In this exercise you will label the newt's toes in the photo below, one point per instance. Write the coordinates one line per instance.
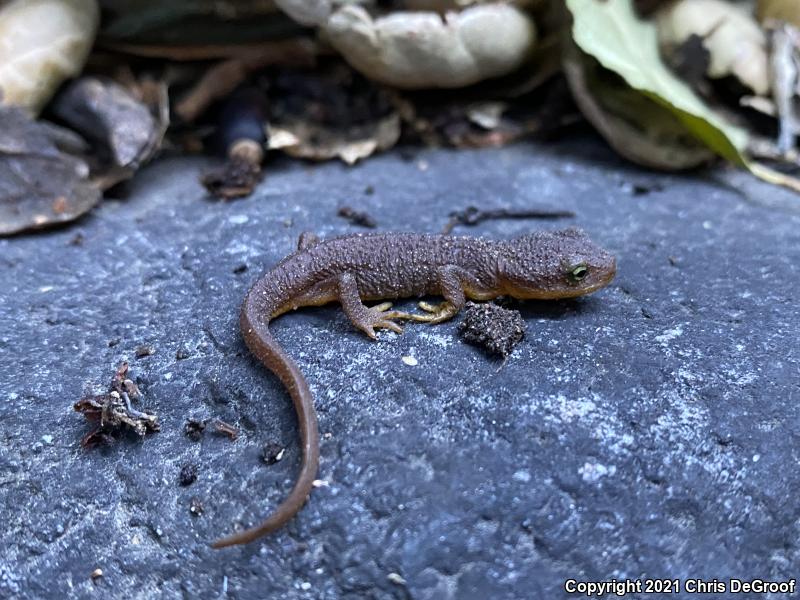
(390, 325)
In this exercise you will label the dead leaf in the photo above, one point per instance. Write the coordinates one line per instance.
(42, 43)
(126, 131)
(113, 412)
(333, 113)
(298, 52)
(610, 31)
(415, 50)
(636, 127)
(318, 142)
(774, 176)
(736, 44)
(40, 186)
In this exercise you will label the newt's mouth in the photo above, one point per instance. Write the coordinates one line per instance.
(563, 292)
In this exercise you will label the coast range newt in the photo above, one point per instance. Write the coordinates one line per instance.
(351, 269)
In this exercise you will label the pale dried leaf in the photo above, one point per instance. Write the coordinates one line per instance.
(416, 50)
(610, 31)
(636, 126)
(42, 43)
(303, 139)
(736, 44)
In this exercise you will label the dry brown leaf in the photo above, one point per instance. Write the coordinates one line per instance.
(40, 186)
(126, 130)
(298, 52)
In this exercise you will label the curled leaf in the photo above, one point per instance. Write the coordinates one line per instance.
(306, 140)
(636, 126)
(427, 50)
(610, 31)
(42, 43)
(735, 43)
(39, 184)
(126, 130)
(334, 114)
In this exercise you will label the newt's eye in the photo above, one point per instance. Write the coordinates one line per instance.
(578, 272)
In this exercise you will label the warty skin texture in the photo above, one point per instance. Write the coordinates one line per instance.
(351, 269)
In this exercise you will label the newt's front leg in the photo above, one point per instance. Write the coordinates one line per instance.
(366, 318)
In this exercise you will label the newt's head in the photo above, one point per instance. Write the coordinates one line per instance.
(554, 264)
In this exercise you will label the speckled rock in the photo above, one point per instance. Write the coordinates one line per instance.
(650, 430)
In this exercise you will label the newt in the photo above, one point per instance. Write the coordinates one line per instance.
(352, 269)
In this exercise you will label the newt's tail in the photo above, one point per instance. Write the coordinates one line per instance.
(268, 351)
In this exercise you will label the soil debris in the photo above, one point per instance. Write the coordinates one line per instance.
(494, 328)
(113, 413)
(188, 474)
(357, 217)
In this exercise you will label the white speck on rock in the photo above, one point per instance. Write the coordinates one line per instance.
(410, 361)
(238, 219)
(669, 335)
(47, 439)
(756, 457)
(592, 472)
(521, 476)
(305, 586)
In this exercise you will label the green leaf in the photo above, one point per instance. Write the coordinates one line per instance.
(610, 31)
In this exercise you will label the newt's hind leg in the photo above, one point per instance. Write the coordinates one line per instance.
(451, 286)
(366, 318)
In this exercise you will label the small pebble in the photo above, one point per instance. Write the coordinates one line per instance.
(188, 474)
(396, 578)
(142, 351)
(196, 507)
(193, 429)
(272, 453)
(410, 361)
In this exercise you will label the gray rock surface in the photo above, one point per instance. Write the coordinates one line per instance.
(648, 431)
